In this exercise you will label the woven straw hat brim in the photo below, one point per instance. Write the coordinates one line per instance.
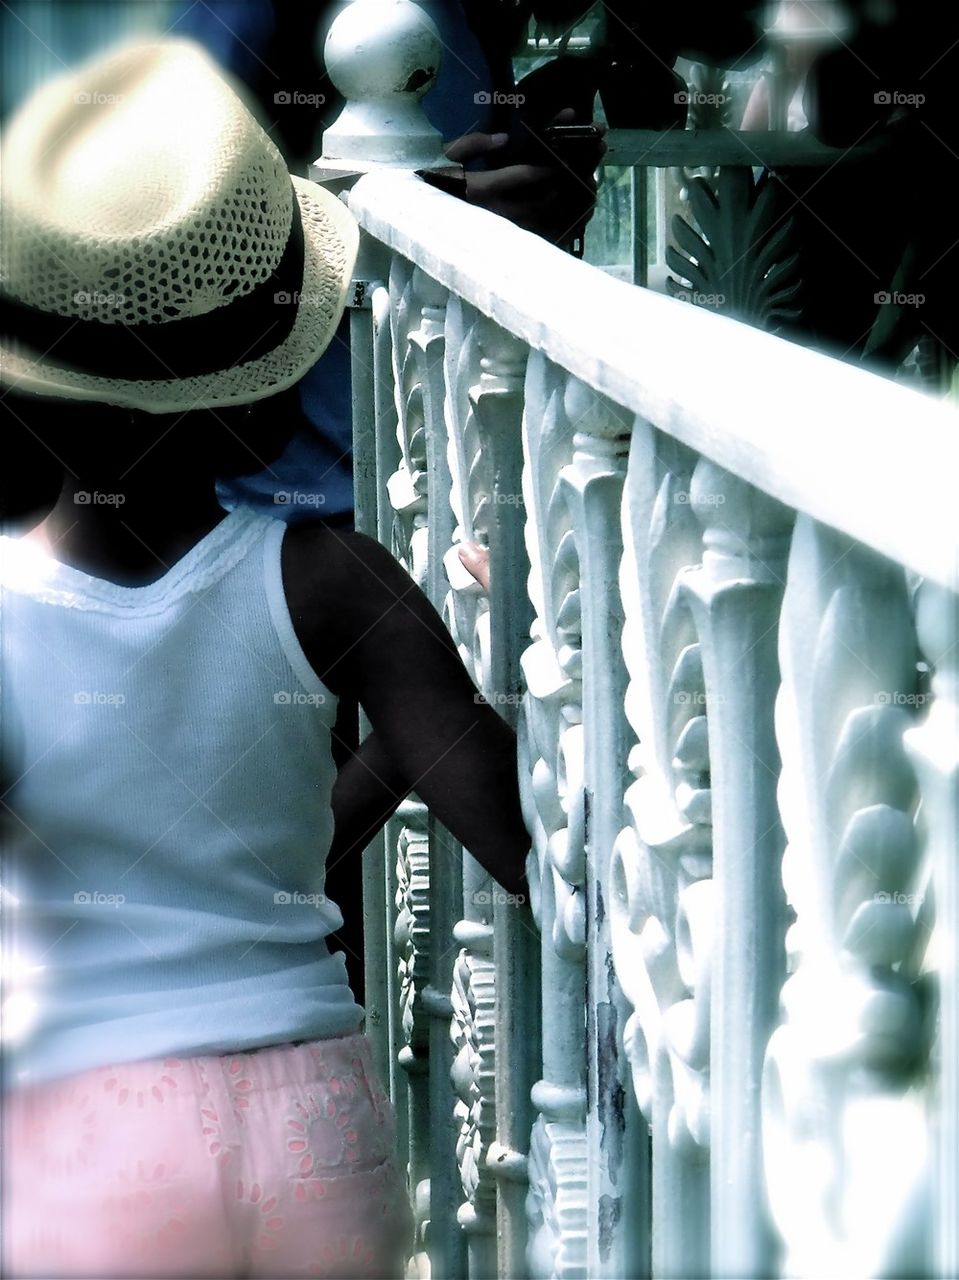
(330, 241)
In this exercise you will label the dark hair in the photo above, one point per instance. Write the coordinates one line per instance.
(41, 439)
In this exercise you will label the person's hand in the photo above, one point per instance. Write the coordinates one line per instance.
(475, 559)
(552, 197)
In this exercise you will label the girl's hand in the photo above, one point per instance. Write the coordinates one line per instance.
(475, 559)
(529, 182)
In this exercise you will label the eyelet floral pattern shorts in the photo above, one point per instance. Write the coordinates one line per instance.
(274, 1162)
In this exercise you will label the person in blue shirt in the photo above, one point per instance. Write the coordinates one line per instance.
(274, 47)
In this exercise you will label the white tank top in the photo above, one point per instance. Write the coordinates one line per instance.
(167, 768)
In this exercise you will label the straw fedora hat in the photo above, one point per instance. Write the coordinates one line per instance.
(155, 251)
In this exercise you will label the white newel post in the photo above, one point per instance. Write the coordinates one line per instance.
(383, 55)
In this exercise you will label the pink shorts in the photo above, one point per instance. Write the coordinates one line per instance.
(274, 1162)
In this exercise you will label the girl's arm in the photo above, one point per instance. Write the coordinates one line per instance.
(368, 631)
(368, 790)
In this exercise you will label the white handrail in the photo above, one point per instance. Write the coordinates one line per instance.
(860, 452)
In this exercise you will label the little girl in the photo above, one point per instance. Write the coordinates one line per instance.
(187, 1088)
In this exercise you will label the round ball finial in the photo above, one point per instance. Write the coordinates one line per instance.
(383, 56)
(379, 49)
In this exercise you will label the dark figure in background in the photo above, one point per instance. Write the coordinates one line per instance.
(894, 76)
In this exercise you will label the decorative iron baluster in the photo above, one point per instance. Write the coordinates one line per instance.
(407, 486)
(593, 486)
(491, 489)
(411, 936)
(421, 533)
(735, 596)
(474, 1081)
(484, 375)
(468, 616)
(933, 747)
(466, 610)
(661, 886)
(845, 1128)
(553, 784)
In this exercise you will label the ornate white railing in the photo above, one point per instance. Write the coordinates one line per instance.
(723, 617)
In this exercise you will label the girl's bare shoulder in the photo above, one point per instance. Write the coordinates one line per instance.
(338, 585)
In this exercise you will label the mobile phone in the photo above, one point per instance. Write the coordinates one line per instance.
(571, 135)
(568, 142)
